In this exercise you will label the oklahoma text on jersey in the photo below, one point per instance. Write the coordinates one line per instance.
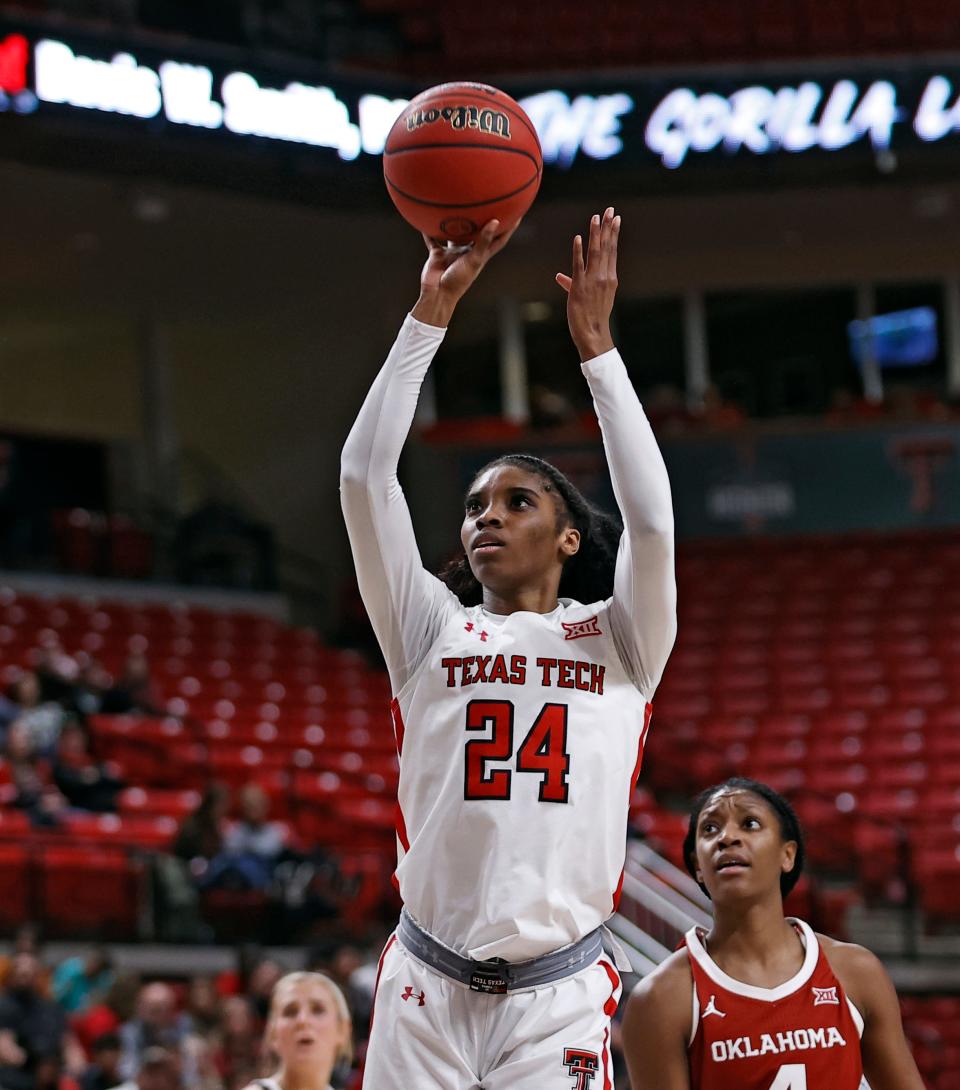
(791, 1040)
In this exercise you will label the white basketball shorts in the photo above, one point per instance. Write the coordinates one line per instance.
(432, 1033)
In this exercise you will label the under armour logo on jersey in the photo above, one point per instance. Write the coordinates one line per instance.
(825, 995)
(581, 1065)
(576, 630)
(409, 993)
(711, 1008)
(470, 626)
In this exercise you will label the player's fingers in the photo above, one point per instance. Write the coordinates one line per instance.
(504, 237)
(431, 243)
(606, 220)
(485, 242)
(577, 265)
(564, 281)
(488, 234)
(593, 246)
(612, 247)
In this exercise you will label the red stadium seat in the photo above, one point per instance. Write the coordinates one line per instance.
(15, 880)
(90, 891)
(938, 882)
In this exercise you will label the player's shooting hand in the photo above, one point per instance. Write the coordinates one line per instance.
(592, 287)
(449, 271)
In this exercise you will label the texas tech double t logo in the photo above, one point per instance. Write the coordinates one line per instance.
(582, 1066)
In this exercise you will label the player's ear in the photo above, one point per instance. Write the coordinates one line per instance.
(570, 541)
(789, 857)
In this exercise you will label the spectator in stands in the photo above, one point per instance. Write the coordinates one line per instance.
(9, 710)
(252, 846)
(158, 1023)
(50, 1074)
(107, 1015)
(309, 1031)
(89, 684)
(263, 979)
(133, 691)
(104, 1072)
(42, 719)
(81, 981)
(253, 834)
(159, 1070)
(56, 674)
(200, 837)
(204, 1006)
(353, 974)
(30, 775)
(198, 841)
(26, 940)
(237, 1053)
(85, 783)
(32, 1028)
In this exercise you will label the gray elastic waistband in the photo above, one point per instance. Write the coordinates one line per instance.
(497, 977)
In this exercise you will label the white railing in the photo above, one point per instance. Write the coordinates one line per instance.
(658, 905)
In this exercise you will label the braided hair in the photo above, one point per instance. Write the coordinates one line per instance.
(587, 575)
(786, 815)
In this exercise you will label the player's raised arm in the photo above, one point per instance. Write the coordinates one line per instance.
(644, 599)
(401, 598)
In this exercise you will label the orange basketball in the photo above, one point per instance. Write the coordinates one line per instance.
(459, 155)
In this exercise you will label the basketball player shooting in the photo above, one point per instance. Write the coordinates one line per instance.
(522, 678)
(761, 1002)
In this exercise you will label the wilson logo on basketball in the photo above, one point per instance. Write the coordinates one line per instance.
(483, 120)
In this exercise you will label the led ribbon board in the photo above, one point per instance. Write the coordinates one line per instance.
(659, 130)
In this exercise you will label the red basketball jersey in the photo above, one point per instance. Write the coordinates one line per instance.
(802, 1035)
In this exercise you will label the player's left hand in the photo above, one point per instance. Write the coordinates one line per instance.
(593, 286)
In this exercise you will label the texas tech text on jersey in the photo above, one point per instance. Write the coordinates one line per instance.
(492, 669)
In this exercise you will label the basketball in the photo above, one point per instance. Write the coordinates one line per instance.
(459, 155)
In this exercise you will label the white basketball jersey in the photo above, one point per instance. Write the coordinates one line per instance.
(520, 738)
(520, 735)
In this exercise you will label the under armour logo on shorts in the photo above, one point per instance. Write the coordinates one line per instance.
(581, 1065)
(825, 995)
(576, 630)
(409, 993)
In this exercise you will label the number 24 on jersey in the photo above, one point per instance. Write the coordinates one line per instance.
(542, 752)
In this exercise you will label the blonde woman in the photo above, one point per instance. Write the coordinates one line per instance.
(309, 1031)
